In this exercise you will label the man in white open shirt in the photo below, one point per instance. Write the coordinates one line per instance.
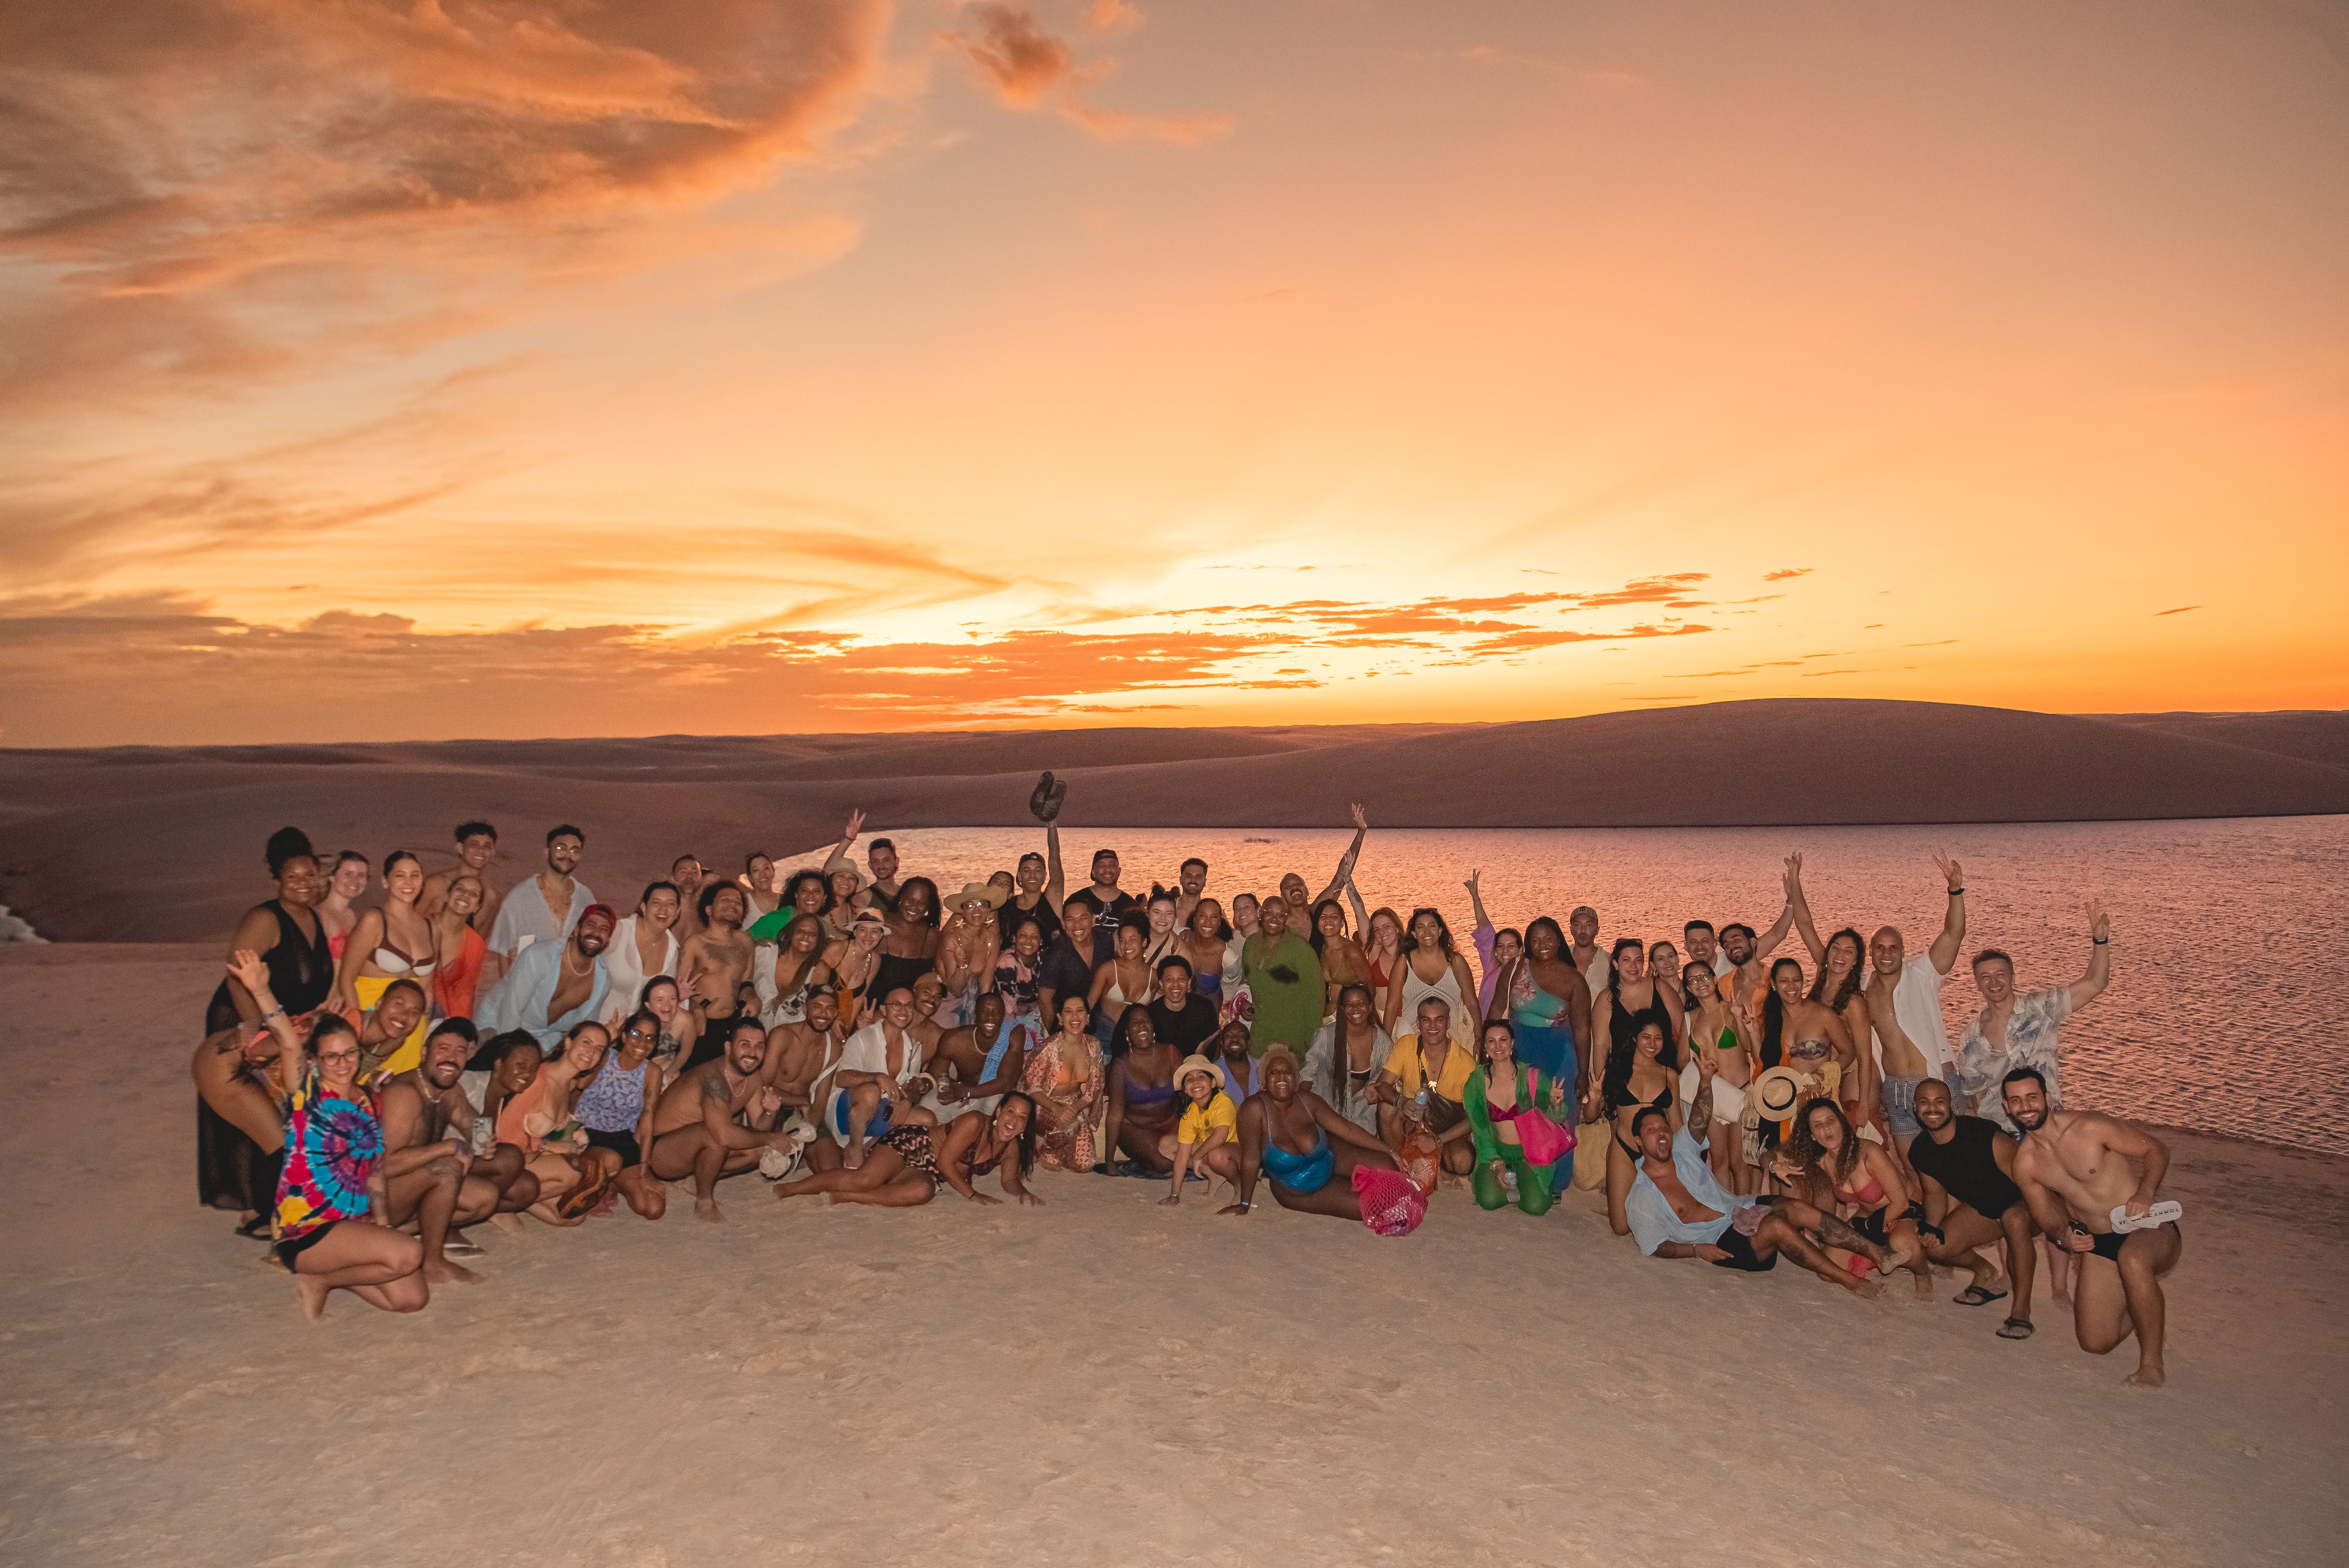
(1904, 1007)
(870, 1094)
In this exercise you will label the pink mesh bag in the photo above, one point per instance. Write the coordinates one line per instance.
(1392, 1205)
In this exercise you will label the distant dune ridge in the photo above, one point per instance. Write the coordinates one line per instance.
(163, 843)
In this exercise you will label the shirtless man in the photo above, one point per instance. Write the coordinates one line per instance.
(688, 874)
(716, 960)
(1904, 1006)
(1678, 1210)
(869, 1088)
(1966, 1166)
(1191, 886)
(718, 1119)
(430, 1177)
(2078, 1169)
(798, 1055)
(965, 1052)
(477, 846)
(1742, 952)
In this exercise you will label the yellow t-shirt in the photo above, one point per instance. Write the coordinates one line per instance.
(1403, 1062)
(1199, 1122)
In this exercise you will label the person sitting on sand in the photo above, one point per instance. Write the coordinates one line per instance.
(1146, 1104)
(542, 1123)
(664, 1000)
(717, 1118)
(330, 1229)
(616, 1108)
(712, 963)
(871, 1088)
(554, 986)
(2085, 1176)
(1640, 1075)
(1678, 1210)
(1346, 1055)
(1065, 1080)
(394, 942)
(1231, 1052)
(787, 973)
(1289, 1135)
(1019, 970)
(1836, 1171)
(907, 1163)
(1631, 999)
(976, 1065)
(1203, 1139)
(1966, 1166)
(1498, 1093)
(543, 908)
(503, 1066)
(431, 1180)
(1425, 1084)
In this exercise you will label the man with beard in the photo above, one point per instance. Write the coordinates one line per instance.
(1904, 1006)
(1110, 907)
(1584, 953)
(713, 964)
(553, 986)
(1191, 886)
(880, 892)
(2094, 1184)
(717, 1118)
(542, 909)
(687, 873)
(1967, 1167)
(431, 1179)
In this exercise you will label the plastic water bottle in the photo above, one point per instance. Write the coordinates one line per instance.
(1509, 1184)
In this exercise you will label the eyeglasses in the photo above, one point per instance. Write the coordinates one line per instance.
(338, 1055)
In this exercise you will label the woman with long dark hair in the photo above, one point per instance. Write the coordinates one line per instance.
(1642, 1075)
(1499, 1092)
(1343, 962)
(1632, 998)
(1346, 1056)
(1430, 966)
(1841, 987)
(1833, 1167)
(1144, 1104)
(1805, 1037)
(906, 1164)
(910, 950)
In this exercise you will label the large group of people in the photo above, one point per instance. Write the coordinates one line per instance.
(380, 1078)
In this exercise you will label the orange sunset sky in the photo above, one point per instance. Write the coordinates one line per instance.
(377, 369)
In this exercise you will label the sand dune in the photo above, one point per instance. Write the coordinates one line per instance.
(162, 843)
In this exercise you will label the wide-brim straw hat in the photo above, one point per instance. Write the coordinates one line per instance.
(1190, 1065)
(987, 893)
(1778, 1092)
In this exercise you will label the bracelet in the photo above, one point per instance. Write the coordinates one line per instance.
(275, 1013)
(2100, 941)
(1957, 893)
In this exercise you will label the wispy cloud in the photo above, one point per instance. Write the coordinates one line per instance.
(1786, 573)
(2179, 611)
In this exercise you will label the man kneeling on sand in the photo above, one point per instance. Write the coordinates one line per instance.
(2094, 1184)
(717, 1119)
(1677, 1209)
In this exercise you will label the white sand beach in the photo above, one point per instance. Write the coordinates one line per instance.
(1099, 1381)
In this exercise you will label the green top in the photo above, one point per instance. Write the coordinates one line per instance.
(1288, 1010)
(1532, 1090)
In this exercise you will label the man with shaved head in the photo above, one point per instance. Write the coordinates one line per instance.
(1904, 1005)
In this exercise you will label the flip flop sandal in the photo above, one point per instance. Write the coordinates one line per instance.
(461, 1247)
(2161, 1213)
(1975, 1295)
(1041, 804)
(256, 1229)
(2015, 1328)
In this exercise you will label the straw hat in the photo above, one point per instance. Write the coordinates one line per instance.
(1190, 1065)
(1778, 1092)
(987, 893)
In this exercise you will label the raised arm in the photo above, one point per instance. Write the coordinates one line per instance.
(838, 859)
(1346, 862)
(2091, 986)
(1362, 914)
(1056, 882)
(1954, 924)
(245, 967)
(1476, 900)
(253, 936)
(1798, 909)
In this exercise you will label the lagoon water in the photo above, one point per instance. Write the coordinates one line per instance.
(2230, 991)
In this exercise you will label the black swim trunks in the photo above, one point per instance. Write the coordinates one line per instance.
(1739, 1248)
(2108, 1244)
